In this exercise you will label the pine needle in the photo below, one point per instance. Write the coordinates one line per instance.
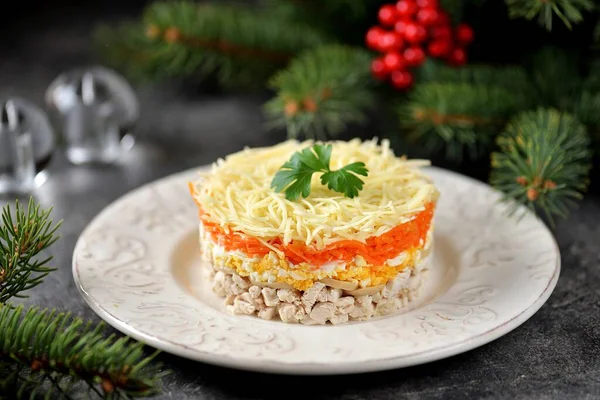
(458, 119)
(237, 45)
(23, 236)
(322, 92)
(568, 11)
(39, 347)
(45, 354)
(543, 162)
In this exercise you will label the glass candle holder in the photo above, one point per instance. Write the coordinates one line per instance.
(26, 146)
(93, 107)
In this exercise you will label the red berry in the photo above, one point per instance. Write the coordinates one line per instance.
(393, 61)
(428, 3)
(373, 37)
(378, 69)
(389, 41)
(414, 33)
(414, 56)
(464, 34)
(428, 16)
(400, 27)
(439, 48)
(387, 15)
(406, 8)
(440, 32)
(402, 79)
(457, 57)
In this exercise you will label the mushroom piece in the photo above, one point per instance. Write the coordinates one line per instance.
(334, 283)
(366, 290)
(274, 285)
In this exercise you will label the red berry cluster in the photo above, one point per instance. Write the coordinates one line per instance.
(413, 29)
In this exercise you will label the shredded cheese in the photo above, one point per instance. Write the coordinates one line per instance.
(236, 194)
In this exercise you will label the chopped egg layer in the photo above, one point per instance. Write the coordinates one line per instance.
(272, 268)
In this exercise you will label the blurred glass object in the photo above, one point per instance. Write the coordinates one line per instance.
(26, 146)
(95, 109)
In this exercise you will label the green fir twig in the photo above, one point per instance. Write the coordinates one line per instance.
(458, 119)
(41, 349)
(543, 162)
(51, 355)
(238, 45)
(568, 11)
(22, 237)
(549, 67)
(322, 92)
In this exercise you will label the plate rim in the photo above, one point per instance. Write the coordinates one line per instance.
(315, 369)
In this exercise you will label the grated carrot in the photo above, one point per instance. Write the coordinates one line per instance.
(376, 251)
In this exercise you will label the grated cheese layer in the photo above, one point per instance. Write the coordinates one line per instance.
(236, 194)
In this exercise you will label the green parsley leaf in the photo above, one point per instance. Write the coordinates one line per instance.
(344, 181)
(295, 176)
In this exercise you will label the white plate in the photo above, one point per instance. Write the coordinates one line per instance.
(136, 266)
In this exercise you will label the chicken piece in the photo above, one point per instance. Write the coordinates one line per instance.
(218, 285)
(321, 312)
(385, 306)
(339, 318)
(231, 287)
(259, 303)
(267, 312)
(247, 297)
(377, 297)
(309, 298)
(345, 304)
(270, 297)
(229, 299)
(254, 292)
(308, 321)
(243, 305)
(363, 307)
(392, 288)
(290, 313)
(288, 295)
(322, 296)
(240, 281)
(333, 295)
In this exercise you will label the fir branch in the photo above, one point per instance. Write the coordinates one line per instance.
(457, 118)
(509, 77)
(543, 162)
(40, 346)
(321, 92)
(242, 46)
(555, 77)
(22, 237)
(569, 11)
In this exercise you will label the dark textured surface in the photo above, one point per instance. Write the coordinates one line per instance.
(554, 355)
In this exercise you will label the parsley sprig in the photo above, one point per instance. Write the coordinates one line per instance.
(296, 174)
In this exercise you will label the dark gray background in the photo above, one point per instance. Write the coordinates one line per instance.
(554, 355)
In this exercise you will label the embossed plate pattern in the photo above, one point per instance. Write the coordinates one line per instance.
(492, 274)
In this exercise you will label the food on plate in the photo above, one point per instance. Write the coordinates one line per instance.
(316, 233)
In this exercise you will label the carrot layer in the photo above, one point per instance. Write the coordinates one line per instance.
(376, 251)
